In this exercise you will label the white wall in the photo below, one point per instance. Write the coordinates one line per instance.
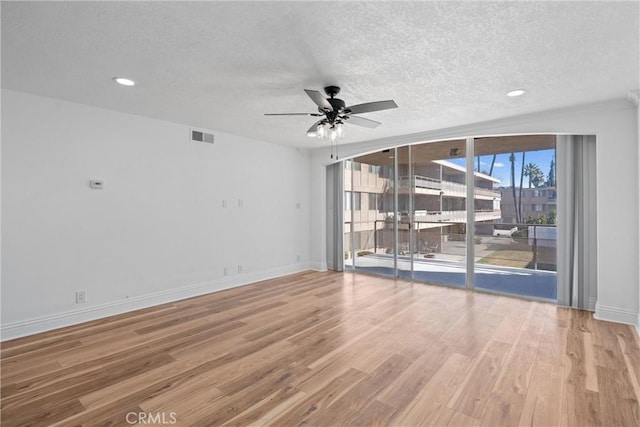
(634, 97)
(615, 125)
(156, 233)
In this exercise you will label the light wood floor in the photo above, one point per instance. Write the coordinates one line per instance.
(330, 349)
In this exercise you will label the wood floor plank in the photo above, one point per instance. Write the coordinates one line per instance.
(474, 394)
(42, 412)
(358, 397)
(581, 407)
(431, 401)
(76, 386)
(269, 390)
(449, 417)
(329, 349)
(322, 375)
(625, 410)
(507, 399)
(302, 412)
(543, 401)
(402, 390)
(631, 352)
(374, 414)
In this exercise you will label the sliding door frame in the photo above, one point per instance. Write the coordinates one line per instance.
(470, 216)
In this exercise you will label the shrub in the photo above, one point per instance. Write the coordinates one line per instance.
(363, 253)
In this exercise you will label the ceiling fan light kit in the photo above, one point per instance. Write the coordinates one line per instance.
(335, 114)
(325, 130)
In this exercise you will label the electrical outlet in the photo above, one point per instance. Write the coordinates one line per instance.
(298, 258)
(225, 271)
(240, 268)
(81, 297)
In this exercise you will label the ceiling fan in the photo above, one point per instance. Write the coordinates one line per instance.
(335, 114)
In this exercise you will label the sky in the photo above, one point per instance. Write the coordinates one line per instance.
(502, 167)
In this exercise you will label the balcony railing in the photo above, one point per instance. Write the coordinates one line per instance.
(447, 188)
(450, 216)
(530, 246)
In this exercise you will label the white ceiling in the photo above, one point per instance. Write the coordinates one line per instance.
(221, 65)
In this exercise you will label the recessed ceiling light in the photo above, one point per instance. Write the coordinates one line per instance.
(124, 81)
(516, 92)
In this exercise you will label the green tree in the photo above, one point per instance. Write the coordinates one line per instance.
(539, 220)
(512, 159)
(551, 177)
(535, 174)
(521, 182)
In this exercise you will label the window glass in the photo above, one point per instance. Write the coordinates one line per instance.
(356, 200)
(347, 200)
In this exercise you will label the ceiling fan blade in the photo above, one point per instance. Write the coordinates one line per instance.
(320, 100)
(372, 106)
(295, 114)
(314, 127)
(361, 121)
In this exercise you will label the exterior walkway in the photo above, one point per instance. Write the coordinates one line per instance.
(510, 280)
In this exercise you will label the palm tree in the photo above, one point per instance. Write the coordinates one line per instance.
(512, 159)
(521, 181)
(493, 162)
(535, 174)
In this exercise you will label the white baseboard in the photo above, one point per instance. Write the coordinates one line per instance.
(318, 266)
(614, 314)
(59, 320)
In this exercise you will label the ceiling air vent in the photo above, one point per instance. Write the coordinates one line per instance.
(200, 136)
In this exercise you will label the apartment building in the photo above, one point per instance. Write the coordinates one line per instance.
(439, 203)
(536, 202)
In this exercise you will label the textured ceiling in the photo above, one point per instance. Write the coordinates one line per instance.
(221, 65)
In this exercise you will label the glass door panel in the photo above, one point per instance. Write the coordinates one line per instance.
(405, 213)
(347, 215)
(439, 215)
(515, 215)
(373, 210)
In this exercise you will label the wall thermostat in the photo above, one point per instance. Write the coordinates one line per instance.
(96, 184)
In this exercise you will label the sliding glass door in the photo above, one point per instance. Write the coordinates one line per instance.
(428, 228)
(369, 209)
(515, 223)
(409, 211)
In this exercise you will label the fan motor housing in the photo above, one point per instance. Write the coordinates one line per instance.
(337, 104)
(338, 107)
